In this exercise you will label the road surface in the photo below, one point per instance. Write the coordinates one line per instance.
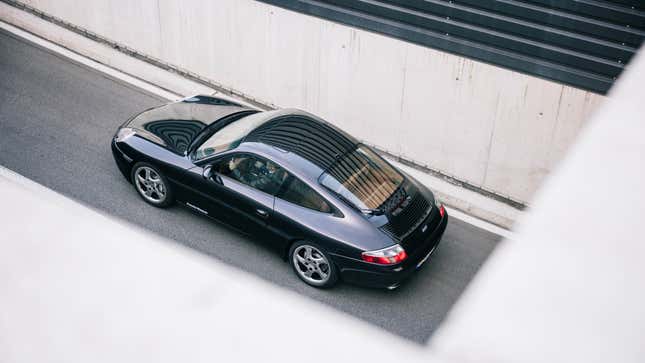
(56, 122)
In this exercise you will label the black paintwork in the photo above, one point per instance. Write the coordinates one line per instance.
(344, 233)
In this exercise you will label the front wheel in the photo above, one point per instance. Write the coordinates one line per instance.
(312, 264)
(151, 185)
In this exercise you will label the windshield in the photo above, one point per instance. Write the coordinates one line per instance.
(229, 136)
(363, 178)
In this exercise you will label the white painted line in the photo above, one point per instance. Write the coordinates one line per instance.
(91, 63)
(441, 187)
(480, 223)
(151, 88)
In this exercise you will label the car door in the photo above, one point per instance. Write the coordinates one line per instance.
(239, 189)
(299, 211)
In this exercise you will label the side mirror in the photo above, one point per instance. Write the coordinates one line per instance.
(209, 174)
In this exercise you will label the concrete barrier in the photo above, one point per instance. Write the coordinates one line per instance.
(121, 66)
(496, 129)
(108, 291)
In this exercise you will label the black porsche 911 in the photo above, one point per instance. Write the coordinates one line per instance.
(329, 204)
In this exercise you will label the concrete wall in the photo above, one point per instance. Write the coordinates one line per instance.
(495, 128)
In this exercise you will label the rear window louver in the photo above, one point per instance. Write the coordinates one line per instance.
(313, 140)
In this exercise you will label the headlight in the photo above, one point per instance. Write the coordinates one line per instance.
(387, 256)
(124, 133)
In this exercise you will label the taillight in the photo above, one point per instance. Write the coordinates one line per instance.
(387, 256)
(438, 204)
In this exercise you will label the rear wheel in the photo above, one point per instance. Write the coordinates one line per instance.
(312, 264)
(152, 185)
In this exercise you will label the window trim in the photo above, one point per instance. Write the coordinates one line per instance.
(335, 211)
(242, 153)
(211, 129)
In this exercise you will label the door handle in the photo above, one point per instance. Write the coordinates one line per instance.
(211, 175)
(262, 213)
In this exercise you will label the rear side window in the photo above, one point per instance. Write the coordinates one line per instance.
(301, 194)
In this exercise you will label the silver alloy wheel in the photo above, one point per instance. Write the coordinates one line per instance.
(311, 265)
(150, 185)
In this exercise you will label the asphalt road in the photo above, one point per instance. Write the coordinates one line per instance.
(56, 121)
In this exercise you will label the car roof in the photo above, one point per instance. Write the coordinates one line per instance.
(299, 141)
(294, 163)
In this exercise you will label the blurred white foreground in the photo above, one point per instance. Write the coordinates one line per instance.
(571, 287)
(77, 286)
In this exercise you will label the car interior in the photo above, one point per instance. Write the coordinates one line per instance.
(268, 177)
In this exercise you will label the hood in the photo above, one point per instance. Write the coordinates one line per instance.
(175, 125)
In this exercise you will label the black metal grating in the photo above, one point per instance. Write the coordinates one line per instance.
(387, 229)
(584, 43)
(409, 219)
(395, 200)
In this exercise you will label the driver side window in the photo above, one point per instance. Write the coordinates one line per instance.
(253, 171)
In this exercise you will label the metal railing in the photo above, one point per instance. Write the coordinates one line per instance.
(585, 44)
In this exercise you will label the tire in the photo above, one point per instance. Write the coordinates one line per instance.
(312, 264)
(151, 185)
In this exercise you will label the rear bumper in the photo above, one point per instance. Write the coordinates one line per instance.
(371, 275)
